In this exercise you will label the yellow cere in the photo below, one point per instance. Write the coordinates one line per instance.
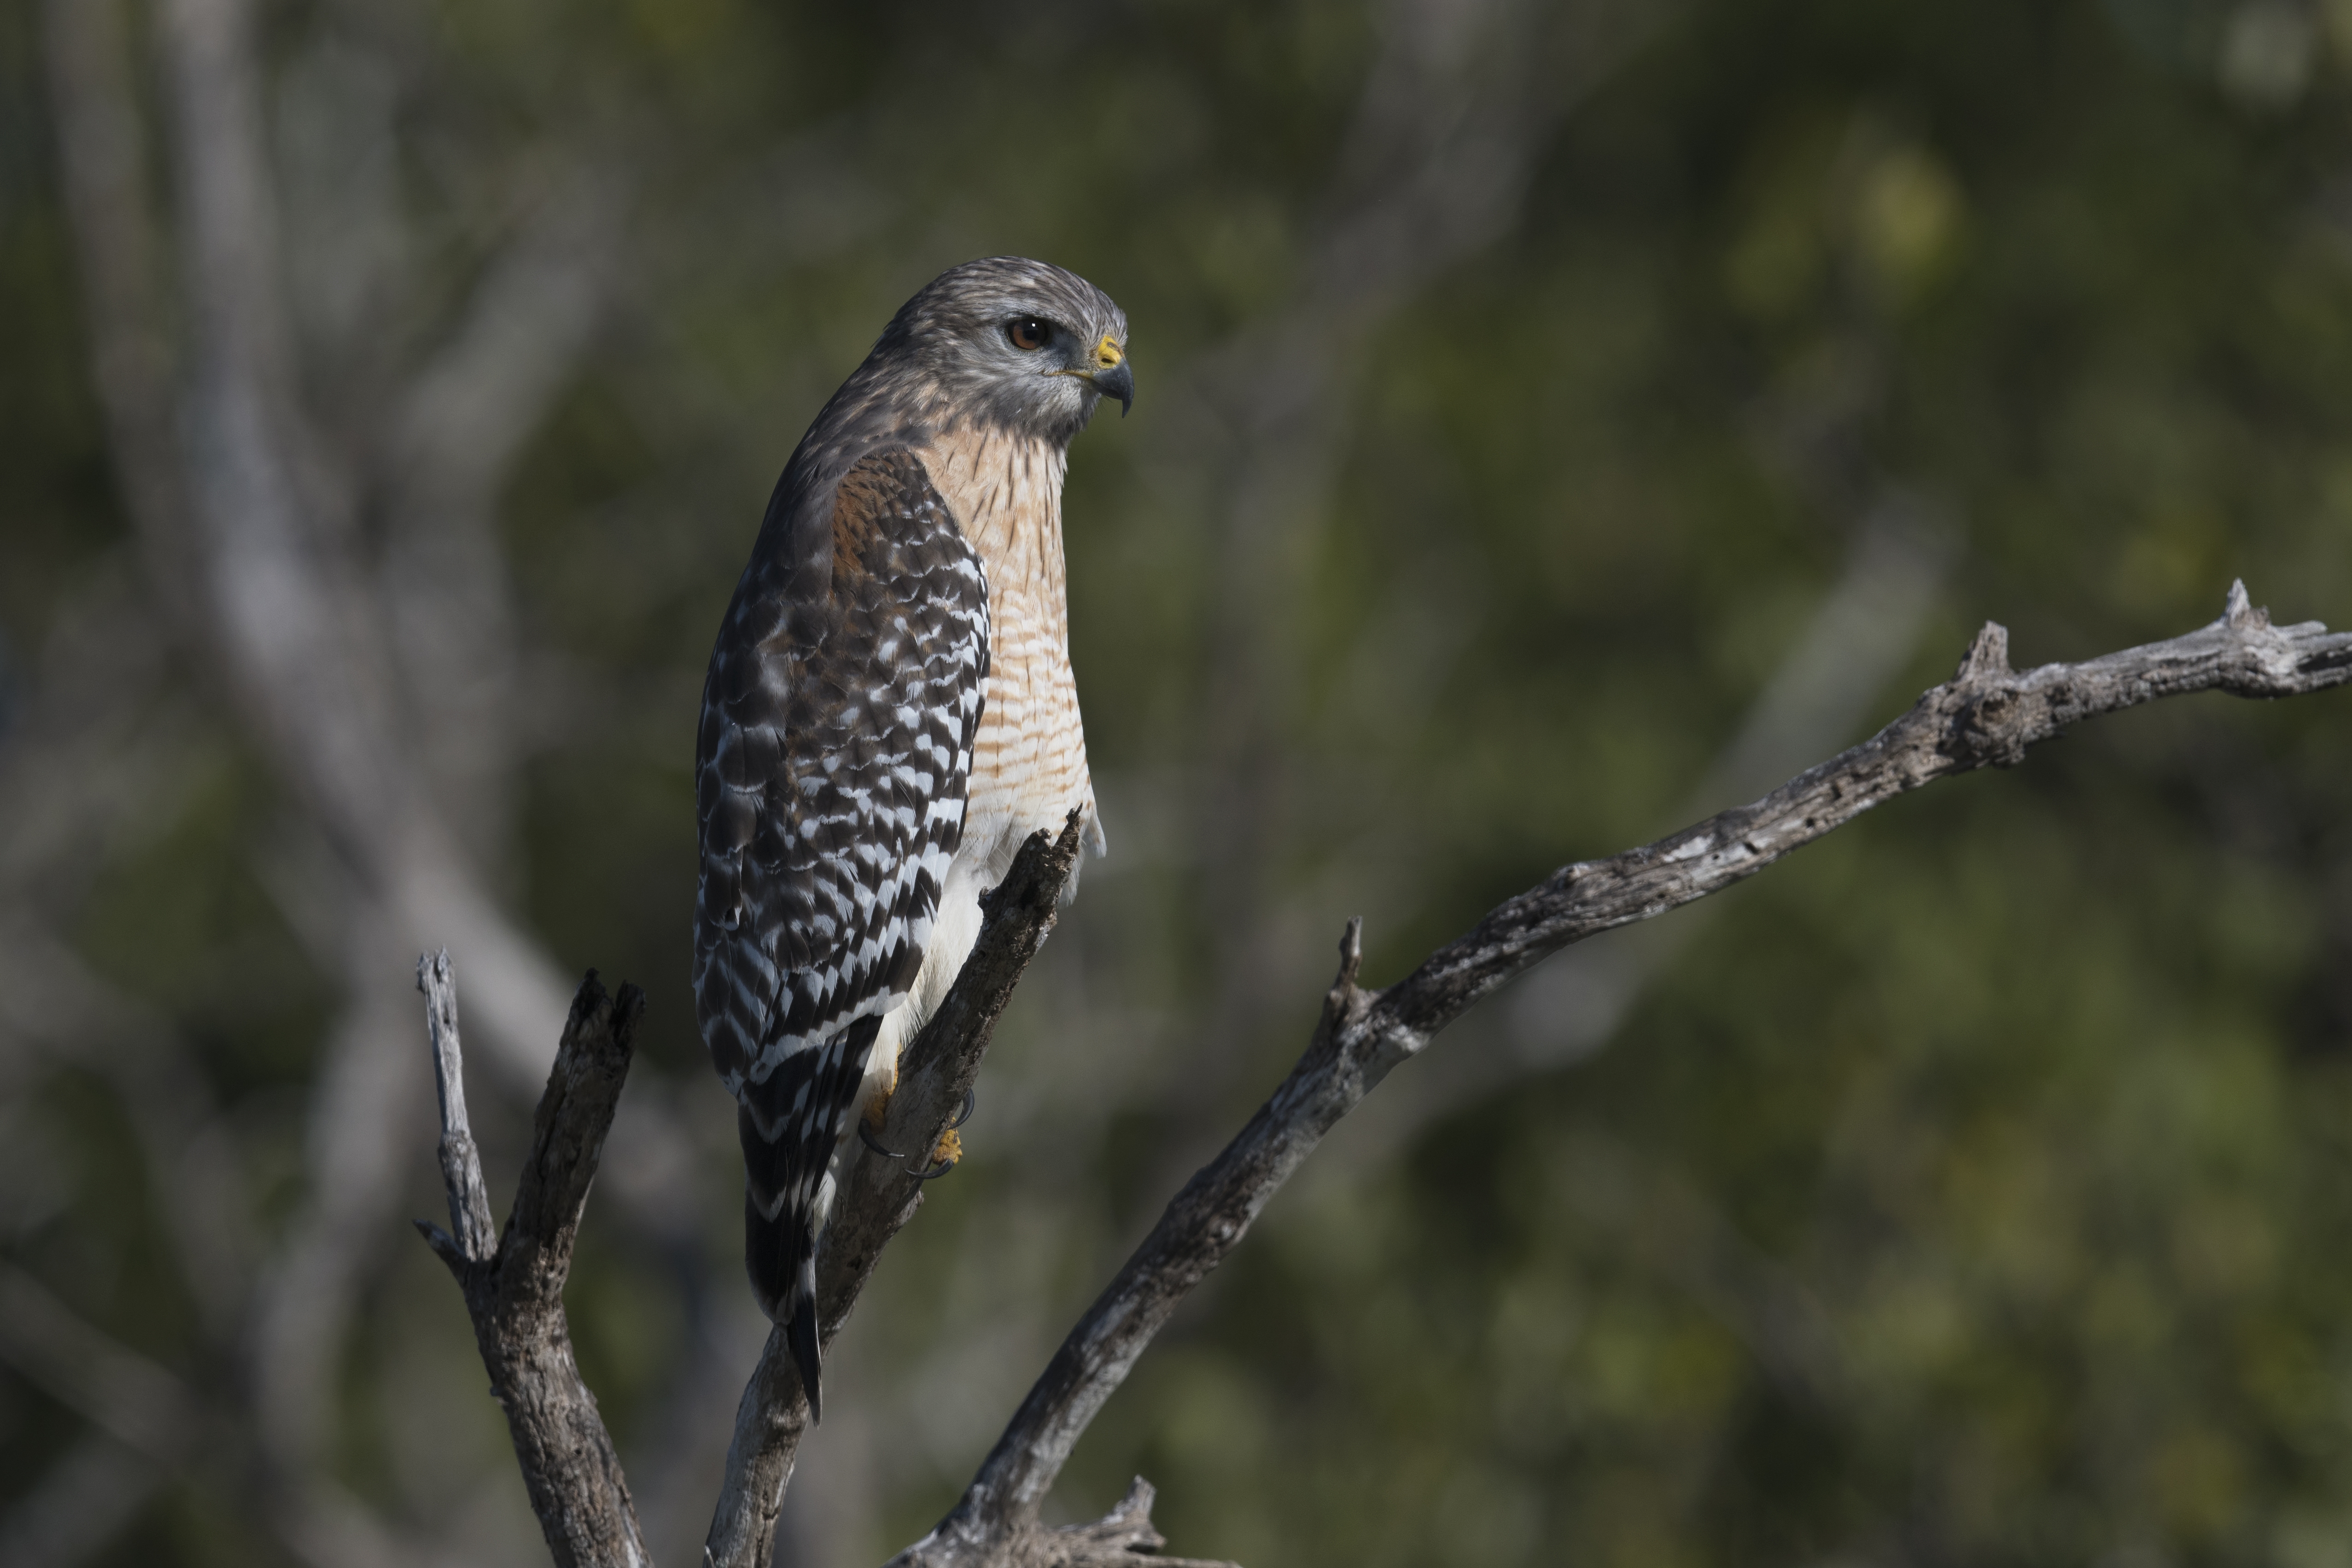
(1106, 353)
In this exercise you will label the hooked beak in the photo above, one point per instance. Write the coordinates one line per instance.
(1117, 381)
(1110, 376)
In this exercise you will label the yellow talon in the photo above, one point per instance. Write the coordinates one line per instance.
(949, 1149)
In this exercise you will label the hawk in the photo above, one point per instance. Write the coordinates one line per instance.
(889, 712)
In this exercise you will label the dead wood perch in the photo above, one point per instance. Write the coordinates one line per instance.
(514, 1293)
(1986, 714)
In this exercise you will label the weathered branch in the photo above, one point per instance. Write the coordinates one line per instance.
(514, 1293)
(1445, 137)
(1986, 714)
(878, 1196)
(461, 1161)
(1862, 633)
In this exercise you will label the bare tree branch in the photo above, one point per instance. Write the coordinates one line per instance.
(1566, 1011)
(461, 1161)
(1447, 124)
(878, 1196)
(1444, 140)
(1114, 1540)
(514, 1293)
(1985, 716)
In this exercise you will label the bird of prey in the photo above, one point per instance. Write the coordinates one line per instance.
(889, 712)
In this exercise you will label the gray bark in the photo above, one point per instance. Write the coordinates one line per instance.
(514, 1293)
(515, 1296)
(878, 1196)
(1986, 714)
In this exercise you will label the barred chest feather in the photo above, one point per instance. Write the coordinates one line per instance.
(1029, 763)
(1029, 759)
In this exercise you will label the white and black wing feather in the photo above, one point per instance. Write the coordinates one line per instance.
(835, 750)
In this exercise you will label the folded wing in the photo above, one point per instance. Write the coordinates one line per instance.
(833, 756)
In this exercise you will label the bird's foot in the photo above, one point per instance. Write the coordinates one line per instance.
(945, 1153)
(949, 1150)
(877, 1109)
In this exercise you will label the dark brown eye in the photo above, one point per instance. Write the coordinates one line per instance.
(1028, 333)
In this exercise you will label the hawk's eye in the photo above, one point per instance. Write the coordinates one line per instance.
(1028, 332)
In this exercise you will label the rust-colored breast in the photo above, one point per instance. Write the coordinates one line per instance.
(1029, 761)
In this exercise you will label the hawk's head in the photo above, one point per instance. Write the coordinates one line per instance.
(1016, 342)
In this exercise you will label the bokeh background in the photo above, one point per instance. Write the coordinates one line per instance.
(1556, 421)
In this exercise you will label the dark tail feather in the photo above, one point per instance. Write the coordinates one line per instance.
(775, 1254)
(802, 1333)
(788, 1125)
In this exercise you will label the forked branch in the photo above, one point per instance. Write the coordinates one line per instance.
(514, 1293)
(1986, 714)
(878, 1196)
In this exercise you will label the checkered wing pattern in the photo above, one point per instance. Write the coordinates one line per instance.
(832, 760)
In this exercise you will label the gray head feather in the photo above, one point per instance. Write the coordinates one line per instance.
(969, 337)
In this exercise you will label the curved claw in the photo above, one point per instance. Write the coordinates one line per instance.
(944, 1155)
(866, 1135)
(971, 1099)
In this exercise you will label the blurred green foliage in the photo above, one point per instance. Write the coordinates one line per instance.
(1972, 1188)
